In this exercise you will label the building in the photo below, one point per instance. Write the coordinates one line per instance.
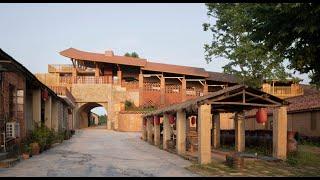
(26, 102)
(94, 119)
(109, 80)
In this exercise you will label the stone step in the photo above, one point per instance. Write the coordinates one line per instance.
(7, 163)
(3, 156)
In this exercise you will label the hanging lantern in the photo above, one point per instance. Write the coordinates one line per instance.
(171, 119)
(193, 120)
(44, 94)
(156, 120)
(262, 115)
(144, 122)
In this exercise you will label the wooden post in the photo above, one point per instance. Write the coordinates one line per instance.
(149, 130)
(184, 89)
(140, 89)
(204, 140)
(216, 130)
(181, 132)
(162, 91)
(239, 131)
(156, 134)
(119, 74)
(144, 129)
(166, 130)
(97, 71)
(205, 89)
(280, 123)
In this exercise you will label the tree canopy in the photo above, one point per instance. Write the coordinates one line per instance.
(133, 54)
(259, 37)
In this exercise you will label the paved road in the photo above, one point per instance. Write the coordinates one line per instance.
(99, 152)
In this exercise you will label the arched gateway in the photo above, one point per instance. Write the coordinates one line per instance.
(125, 85)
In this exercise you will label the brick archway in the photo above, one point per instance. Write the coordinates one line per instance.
(83, 110)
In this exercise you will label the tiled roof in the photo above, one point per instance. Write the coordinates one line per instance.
(169, 68)
(222, 77)
(98, 57)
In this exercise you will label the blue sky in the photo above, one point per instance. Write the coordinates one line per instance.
(167, 33)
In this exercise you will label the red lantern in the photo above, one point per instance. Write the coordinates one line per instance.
(171, 119)
(156, 120)
(144, 122)
(193, 120)
(44, 95)
(262, 115)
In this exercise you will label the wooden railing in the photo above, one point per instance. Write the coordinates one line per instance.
(60, 67)
(86, 80)
(132, 85)
(284, 91)
(151, 86)
(63, 91)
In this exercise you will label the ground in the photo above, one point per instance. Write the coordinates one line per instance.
(100, 152)
(305, 163)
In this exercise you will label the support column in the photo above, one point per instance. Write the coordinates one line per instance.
(184, 89)
(149, 130)
(280, 133)
(156, 133)
(55, 115)
(216, 130)
(144, 129)
(204, 140)
(181, 132)
(140, 89)
(119, 75)
(48, 111)
(205, 89)
(97, 70)
(162, 91)
(239, 126)
(166, 130)
(36, 106)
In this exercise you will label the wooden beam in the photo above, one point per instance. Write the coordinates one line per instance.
(195, 79)
(261, 97)
(245, 104)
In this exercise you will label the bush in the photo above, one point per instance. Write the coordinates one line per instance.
(44, 136)
(128, 105)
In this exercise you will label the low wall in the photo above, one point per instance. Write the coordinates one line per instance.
(130, 121)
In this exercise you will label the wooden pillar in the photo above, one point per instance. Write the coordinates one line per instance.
(140, 89)
(48, 111)
(74, 72)
(55, 115)
(205, 89)
(280, 132)
(162, 91)
(144, 129)
(97, 70)
(36, 106)
(166, 131)
(239, 125)
(149, 130)
(216, 130)
(184, 89)
(156, 133)
(204, 140)
(181, 132)
(119, 75)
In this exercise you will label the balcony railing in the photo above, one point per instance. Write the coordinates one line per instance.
(86, 80)
(284, 91)
(60, 68)
(63, 91)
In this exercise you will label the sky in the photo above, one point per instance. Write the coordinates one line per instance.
(34, 34)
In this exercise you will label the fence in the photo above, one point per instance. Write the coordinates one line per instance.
(63, 91)
(86, 80)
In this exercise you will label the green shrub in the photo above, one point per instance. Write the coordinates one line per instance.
(44, 136)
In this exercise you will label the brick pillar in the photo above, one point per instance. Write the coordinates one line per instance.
(97, 70)
(48, 111)
(119, 75)
(239, 126)
(162, 91)
(149, 130)
(36, 106)
(144, 129)
(166, 130)
(205, 89)
(156, 134)
(204, 140)
(140, 89)
(280, 132)
(55, 115)
(181, 132)
(216, 130)
(184, 89)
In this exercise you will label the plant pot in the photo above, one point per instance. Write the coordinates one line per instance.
(25, 155)
(35, 148)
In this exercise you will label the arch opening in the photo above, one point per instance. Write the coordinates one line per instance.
(92, 114)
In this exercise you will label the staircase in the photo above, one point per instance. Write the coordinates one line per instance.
(6, 162)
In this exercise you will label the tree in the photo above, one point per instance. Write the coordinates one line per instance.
(133, 54)
(249, 61)
(290, 30)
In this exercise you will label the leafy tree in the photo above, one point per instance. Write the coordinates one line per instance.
(249, 61)
(133, 54)
(289, 30)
